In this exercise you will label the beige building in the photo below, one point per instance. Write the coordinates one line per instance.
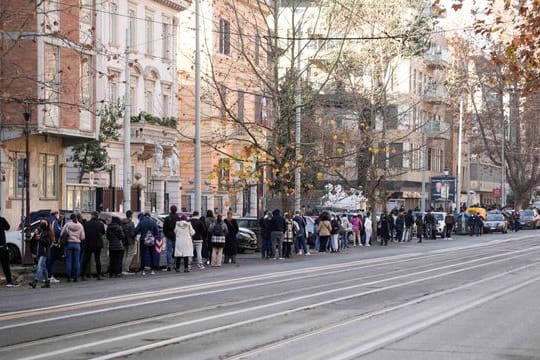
(233, 105)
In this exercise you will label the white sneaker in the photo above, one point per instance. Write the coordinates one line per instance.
(13, 285)
(152, 272)
(143, 273)
(127, 273)
(308, 253)
(53, 280)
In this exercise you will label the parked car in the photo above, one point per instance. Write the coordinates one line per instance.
(526, 218)
(15, 244)
(251, 223)
(247, 240)
(495, 222)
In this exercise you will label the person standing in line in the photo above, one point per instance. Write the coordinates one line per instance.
(368, 229)
(207, 244)
(199, 226)
(419, 227)
(94, 231)
(55, 253)
(75, 232)
(399, 226)
(431, 225)
(277, 230)
(264, 224)
(409, 223)
(291, 229)
(355, 225)
(334, 233)
(449, 222)
(130, 245)
(4, 253)
(385, 228)
(344, 231)
(183, 250)
(231, 243)
(301, 234)
(478, 224)
(218, 231)
(148, 231)
(45, 237)
(169, 226)
(325, 229)
(116, 238)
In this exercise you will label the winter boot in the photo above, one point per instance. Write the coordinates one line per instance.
(47, 284)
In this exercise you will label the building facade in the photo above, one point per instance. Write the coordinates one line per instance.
(47, 67)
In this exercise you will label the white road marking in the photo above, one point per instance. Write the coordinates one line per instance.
(269, 316)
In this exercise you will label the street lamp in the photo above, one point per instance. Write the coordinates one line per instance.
(27, 235)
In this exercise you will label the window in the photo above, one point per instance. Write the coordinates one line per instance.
(112, 175)
(224, 175)
(166, 100)
(256, 57)
(260, 110)
(85, 89)
(240, 111)
(396, 155)
(52, 84)
(132, 14)
(223, 102)
(166, 37)
(133, 81)
(113, 23)
(224, 37)
(112, 86)
(85, 20)
(51, 14)
(149, 90)
(17, 175)
(149, 41)
(48, 176)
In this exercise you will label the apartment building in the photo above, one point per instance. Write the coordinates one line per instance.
(142, 36)
(47, 70)
(234, 108)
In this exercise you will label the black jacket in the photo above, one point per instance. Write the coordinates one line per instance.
(4, 226)
(200, 228)
(168, 226)
(93, 229)
(115, 235)
(277, 223)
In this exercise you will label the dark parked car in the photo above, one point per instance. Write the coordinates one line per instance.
(526, 218)
(495, 222)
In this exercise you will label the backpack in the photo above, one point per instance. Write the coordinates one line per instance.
(149, 239)
(218, 230)
(335, 227)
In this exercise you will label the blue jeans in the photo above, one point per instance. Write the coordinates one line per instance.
(41, 270)
(302, 243)
(73, 253)
(344, 240)
(267, 247)
(170, 252)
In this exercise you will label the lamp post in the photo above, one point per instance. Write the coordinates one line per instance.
(27, 235)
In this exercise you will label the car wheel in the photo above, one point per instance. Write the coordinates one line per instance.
(14, 254)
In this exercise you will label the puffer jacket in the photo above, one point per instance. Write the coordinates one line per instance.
(115, 235)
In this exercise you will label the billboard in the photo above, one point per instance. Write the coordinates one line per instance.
(443, 189)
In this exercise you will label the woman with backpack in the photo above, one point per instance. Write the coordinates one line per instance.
(218, 232)
(116, 238)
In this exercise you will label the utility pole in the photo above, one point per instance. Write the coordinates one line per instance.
(460, 149)
(298, 122)
(424, 160)
(127, 133)
(197, 177)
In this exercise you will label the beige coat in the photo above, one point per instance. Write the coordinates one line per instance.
(324, 228)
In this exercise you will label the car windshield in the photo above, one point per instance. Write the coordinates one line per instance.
(495, 217)
(245, 223)
(526, 213)
(439, 217)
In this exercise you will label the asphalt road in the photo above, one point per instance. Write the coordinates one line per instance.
(466, 298)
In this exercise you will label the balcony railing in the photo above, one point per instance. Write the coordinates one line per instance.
(437, 58)
(437, 96)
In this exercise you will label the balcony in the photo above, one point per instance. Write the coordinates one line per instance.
(147, 131)
(177, 5)
(437, 95)
(437, 59)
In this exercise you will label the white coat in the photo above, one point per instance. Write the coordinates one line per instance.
(184, 244)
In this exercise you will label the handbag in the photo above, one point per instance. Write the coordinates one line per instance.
(149, 239)
(64, 237)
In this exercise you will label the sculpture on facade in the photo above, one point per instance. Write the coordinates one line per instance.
(158, 159)
(173, 162)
